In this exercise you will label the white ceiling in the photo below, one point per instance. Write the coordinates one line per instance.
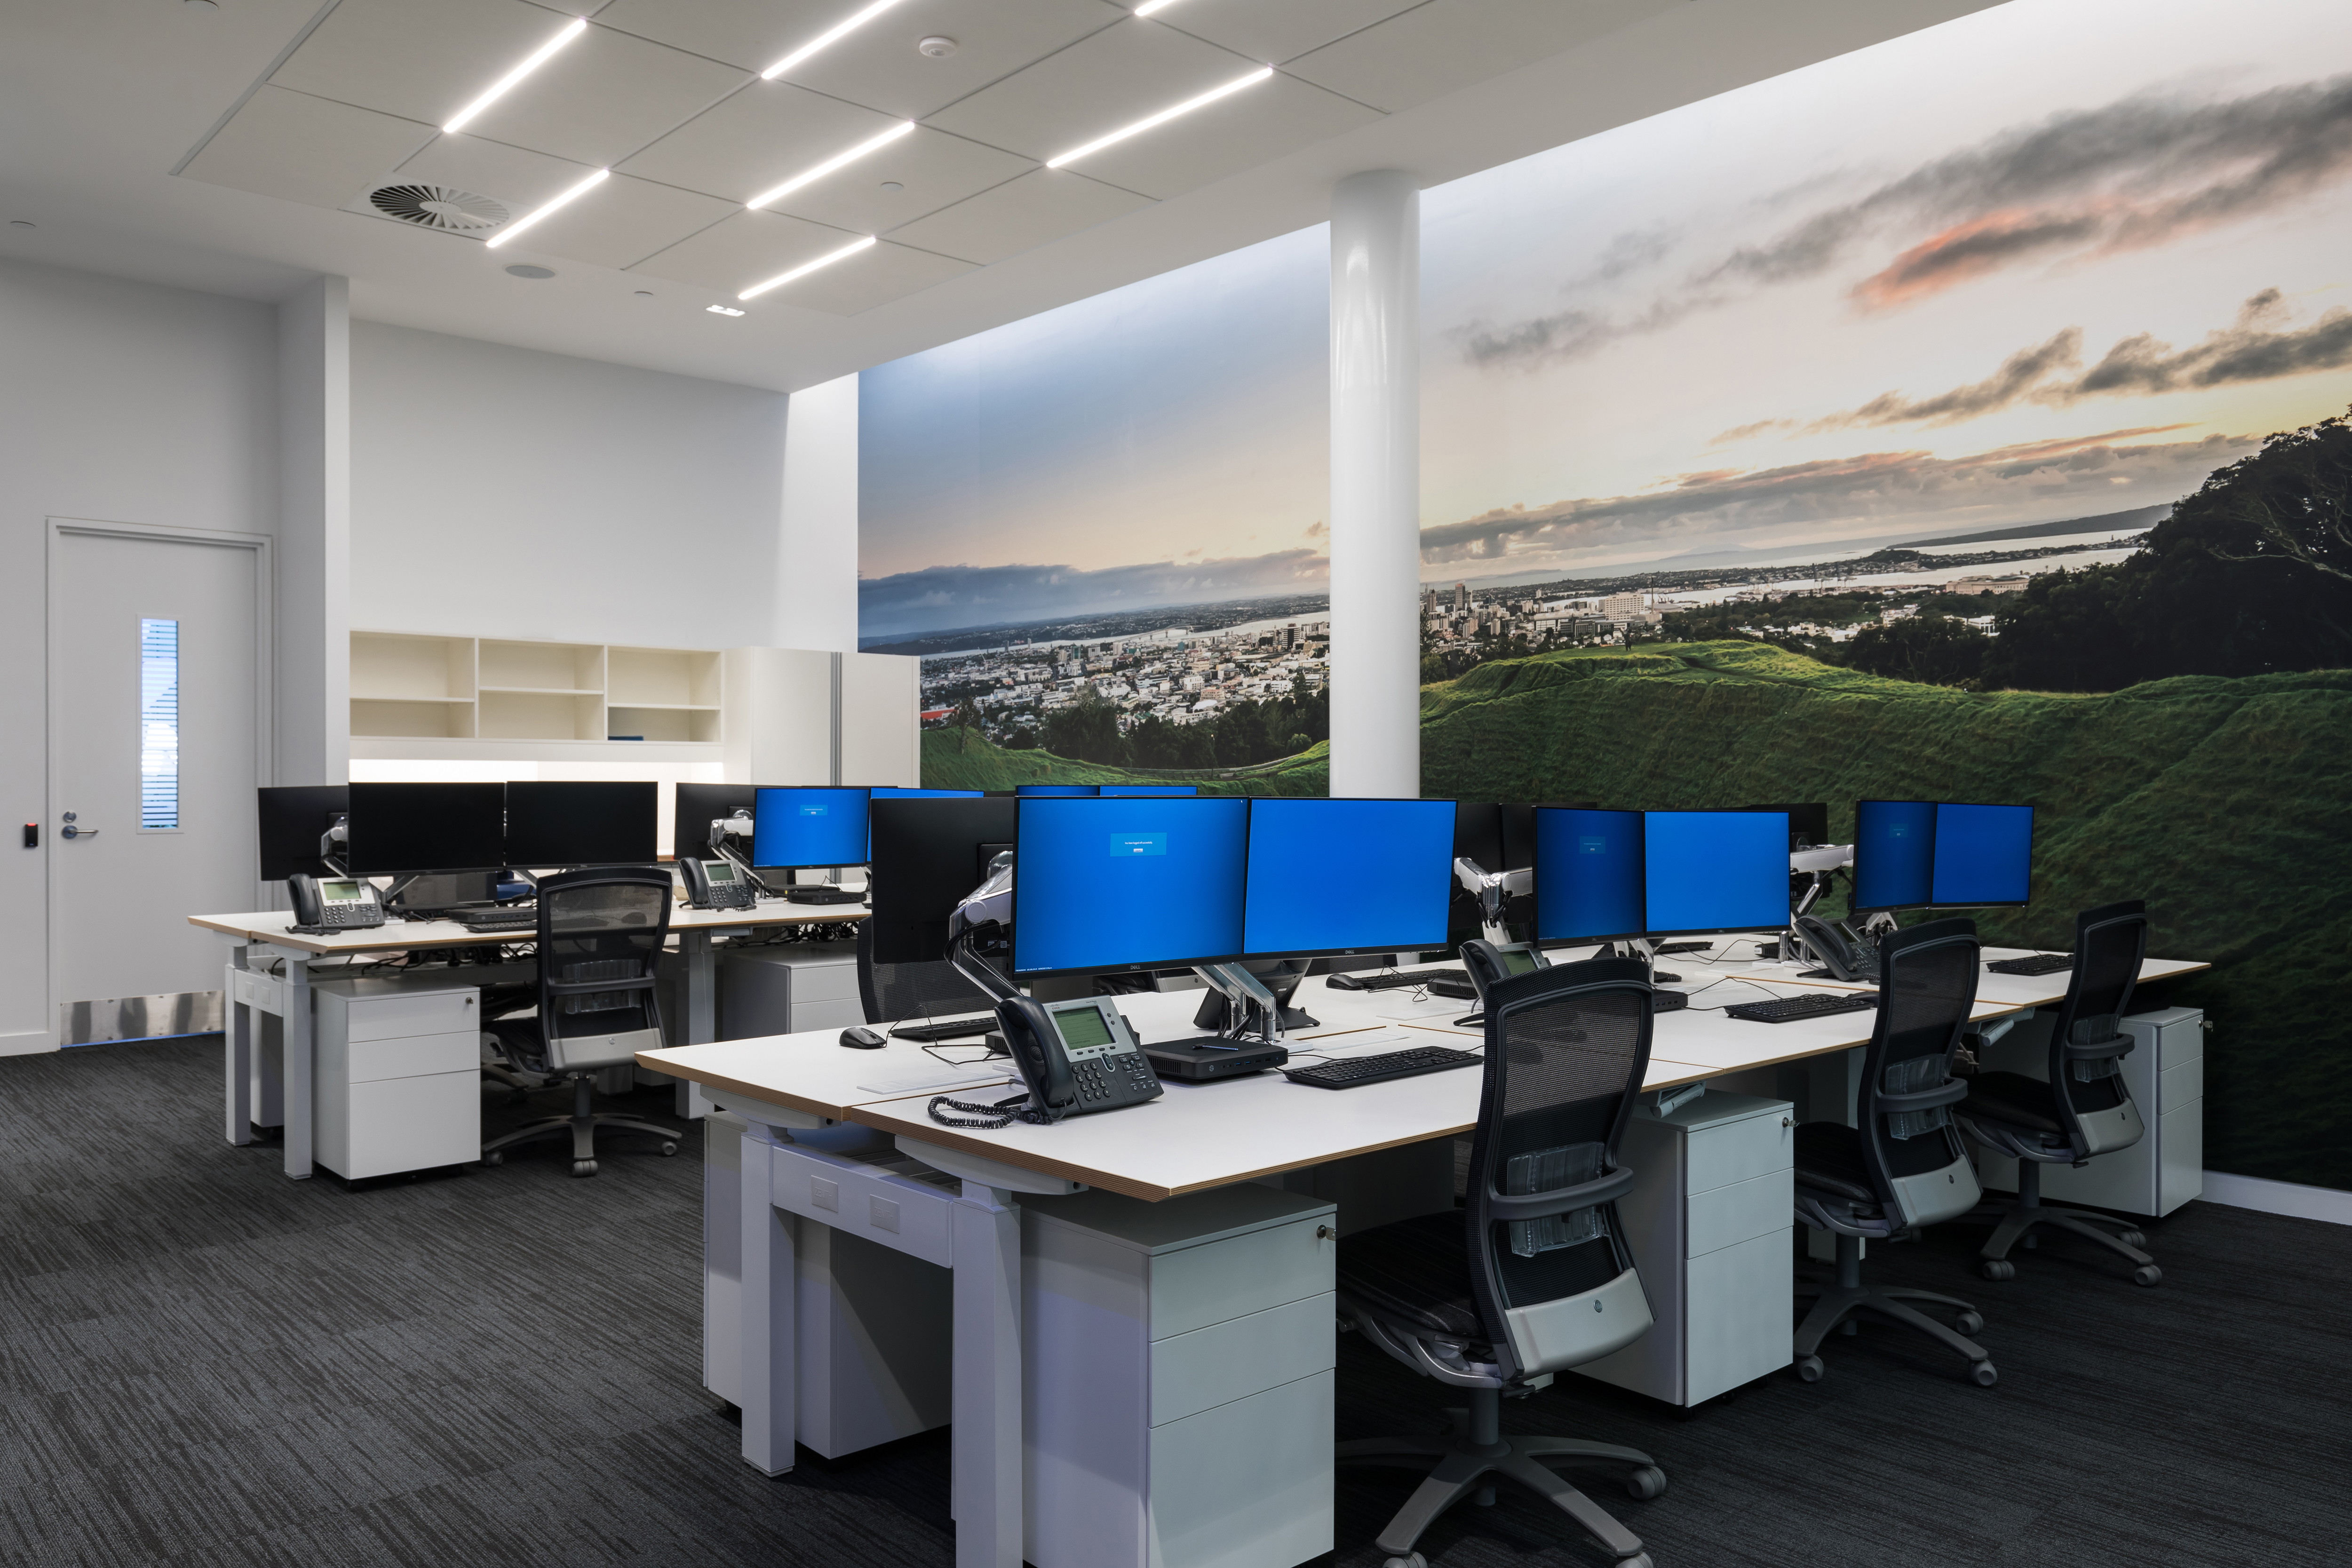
(280, 116)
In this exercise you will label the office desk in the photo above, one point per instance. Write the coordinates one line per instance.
(1192, 1138)
(2011, 993)
(263, 936)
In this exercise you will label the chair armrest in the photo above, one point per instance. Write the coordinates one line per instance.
(1560, 1200)
(2092, 1050)
(1948, 1093)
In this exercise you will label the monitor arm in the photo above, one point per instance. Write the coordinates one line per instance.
(332, 842)
(984, 920)
(1255, 1012)
(1821, 866)
(736, 826)
(1490, 889)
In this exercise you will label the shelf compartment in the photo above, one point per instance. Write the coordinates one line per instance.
(542, 666)
(541, 716)
(395, 666)
(443, 718)
(662, 678)
(657, 722)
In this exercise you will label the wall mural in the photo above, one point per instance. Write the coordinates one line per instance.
(1950, 420)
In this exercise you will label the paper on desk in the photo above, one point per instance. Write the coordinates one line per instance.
(934, 1077)
(1446, 1007)
(1355, 1040)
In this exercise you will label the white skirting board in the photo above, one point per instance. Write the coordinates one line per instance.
(24, 1042)
(2326, 1204)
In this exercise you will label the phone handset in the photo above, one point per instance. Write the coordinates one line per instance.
(1038, 1053)
(1489, 963)
(1837, 955)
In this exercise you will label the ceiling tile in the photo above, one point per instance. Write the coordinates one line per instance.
(1276, 30)
(756, 140)
(753, 34)
(871, 278)
(1110, 78)
(520, 179)
(1019, 216)
(745, 249)
(426, 59)
(305, 149)
(606, 95)
(879, 65)
(1252, 127)
(1447, 44)
(622, 222)
(931, 168)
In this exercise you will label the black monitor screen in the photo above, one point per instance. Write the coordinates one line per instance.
(928, 854)
(398, 828)
(697, 807)
(1809, 823)
(568, 822)
(294, 818)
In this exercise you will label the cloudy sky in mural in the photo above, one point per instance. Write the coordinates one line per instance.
(2057, 260)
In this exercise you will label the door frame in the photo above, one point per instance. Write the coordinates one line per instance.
(264, 687)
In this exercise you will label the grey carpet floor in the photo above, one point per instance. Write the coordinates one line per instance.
(203, 1364)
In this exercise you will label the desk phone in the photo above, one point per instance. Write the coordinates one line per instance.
(341, 903)
(1082, 1057)
(716, 885)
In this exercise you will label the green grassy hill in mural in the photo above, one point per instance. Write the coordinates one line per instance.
(2250, 770)
(952, 759)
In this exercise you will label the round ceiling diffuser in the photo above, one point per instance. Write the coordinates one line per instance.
(438, 206)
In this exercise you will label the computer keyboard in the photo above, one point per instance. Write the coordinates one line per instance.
(1415, 978)
(1358, 1071)
(1813, 1005)
(2039, 964)
(525, 919)
(931, 1031)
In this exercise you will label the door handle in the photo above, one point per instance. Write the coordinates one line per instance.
(71, 831)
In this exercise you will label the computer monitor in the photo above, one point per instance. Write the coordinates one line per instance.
(1055, 789)
(1126, 883)
(580, 822)
(294, 818)
(1148, 790)
(1346, 877)
(1588, 875)
(1894, 854)
(1809, 823)
(1983, 857)
(800, 829)
(908, 792)
(927, 855)
(399, 828)
(697, 806)
(1708, 873)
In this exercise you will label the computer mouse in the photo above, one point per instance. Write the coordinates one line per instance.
(858, 1037)
(1343, 982)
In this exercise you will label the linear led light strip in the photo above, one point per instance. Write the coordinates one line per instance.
(830, 164)
(500, 88)
(566, 199)
(1148, 6)
(805, 267)
(1161, 117)
(837, 30)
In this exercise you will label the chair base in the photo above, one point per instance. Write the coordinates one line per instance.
(1467, 1459)
(1835, 1306)
(582, 1125)
(2014, 1222)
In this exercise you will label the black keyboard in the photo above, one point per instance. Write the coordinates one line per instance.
(1358, 1070)
(499, 919)
(1813, 1005)
(2039, 964)
(932, 1031)
(1414, 979)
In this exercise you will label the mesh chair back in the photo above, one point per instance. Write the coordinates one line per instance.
(2110, 943)
(895, 992)
(1566, 1049)
(1928, 983)
(599, 934)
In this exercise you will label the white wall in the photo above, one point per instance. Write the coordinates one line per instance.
(121, 400)
(502, 490)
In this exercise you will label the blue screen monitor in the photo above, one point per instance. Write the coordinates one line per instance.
(1330, 877)
(1126, 884)
(1056, 789)
(1983, 856)
(1588, 885)
(1894, 854)
(1706, 873)
(903, 792)
(1141, 790)
(797, 829)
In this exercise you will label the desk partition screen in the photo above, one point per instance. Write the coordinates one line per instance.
(580, 822)
(801, 830)
(1337, 876)
(1126, 883)
(398, 828)
(1707, 873)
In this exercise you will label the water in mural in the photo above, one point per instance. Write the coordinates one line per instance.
(1950, 420)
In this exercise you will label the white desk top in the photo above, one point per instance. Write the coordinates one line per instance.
(2012, 992)
(269, 926)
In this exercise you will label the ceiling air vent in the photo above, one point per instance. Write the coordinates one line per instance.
(439, 206)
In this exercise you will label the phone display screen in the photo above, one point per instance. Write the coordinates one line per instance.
(719, 871)
(1519, 963)
(339, 892)
(1083, 1026)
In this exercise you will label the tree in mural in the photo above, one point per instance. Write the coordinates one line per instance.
(1928, 648)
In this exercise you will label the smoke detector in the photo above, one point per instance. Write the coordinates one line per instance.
(937, 48)
(439, 206)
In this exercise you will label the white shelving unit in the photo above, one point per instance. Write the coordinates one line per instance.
(411, 696)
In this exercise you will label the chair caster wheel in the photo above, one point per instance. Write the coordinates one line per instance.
(2146, 1273)
(1639, 1560)
(1410, 1559)
(668, 1149)
(1997, 1269)
(1646, 1483)
(1982, 1373)
(1809, 1368)
(2132, 1238)
(583, 1167)
(495, 1157)
(1969, 1323)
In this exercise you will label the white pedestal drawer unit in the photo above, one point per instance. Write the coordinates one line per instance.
(398, 1080)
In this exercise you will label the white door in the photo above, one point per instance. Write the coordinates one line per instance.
(155, 724)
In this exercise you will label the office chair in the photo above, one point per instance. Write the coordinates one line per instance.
(2084, 1110)
(600, 933)
(1534, 1276)
(895, 992)
(1903, 1166)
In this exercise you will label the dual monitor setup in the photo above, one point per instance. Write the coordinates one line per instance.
(400, 829)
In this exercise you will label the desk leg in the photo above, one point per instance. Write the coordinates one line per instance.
(701, 1012)
(297, 1069)
(987, 1379)
(236, 1046)
(769, 1395)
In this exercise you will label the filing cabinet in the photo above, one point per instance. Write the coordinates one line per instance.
(396, 1076)
(787, 988)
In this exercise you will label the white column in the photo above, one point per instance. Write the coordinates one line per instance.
(1376, 485)
(312, 723)
(817, 568)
